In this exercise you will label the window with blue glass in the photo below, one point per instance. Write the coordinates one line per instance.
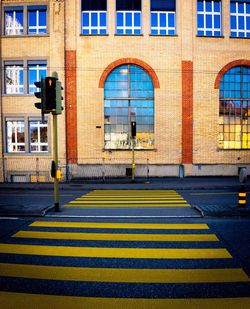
(128, 17)
(163, 17)
(128, 96)
(37, 19)
(25, 19)
(36, 70)
(94, 17)
(208, 18)
(13, 20)
(234, 110)
(240, 18)
(20, 76)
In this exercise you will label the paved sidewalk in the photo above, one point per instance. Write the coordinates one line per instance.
(169, 183)
(81, 186)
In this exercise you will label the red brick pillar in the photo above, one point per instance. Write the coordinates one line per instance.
(187, 112)
(71, 106)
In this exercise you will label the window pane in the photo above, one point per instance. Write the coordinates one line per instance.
(128, 5)
(135, 83)
(200, 21)
(162, 5)
(14, 22)
(15, 136)
(94, 5)
(14, 79)
(38, 136)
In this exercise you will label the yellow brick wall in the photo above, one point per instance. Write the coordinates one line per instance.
(163, 54)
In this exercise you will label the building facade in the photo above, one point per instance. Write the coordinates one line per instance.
(179, 68)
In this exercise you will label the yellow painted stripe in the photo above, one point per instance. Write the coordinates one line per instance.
(242, 201)
(35, 301)
(126, 202)
(128, 198)
(111, 225)
(123, 275)
(128, 253)
(131, 191)
(125, 205)
(132, 195)
(116, 237)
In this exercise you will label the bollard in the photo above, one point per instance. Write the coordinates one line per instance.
(242, 197)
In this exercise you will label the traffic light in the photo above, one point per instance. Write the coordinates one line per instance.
(133, 128)
(59, 97)
(50, 94)
(40, 95)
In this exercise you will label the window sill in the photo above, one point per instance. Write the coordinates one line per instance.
(26, 36)
(211, 36)
(163, 35)
(116, 34)
(29, 154)
(238, 37)
(94, 34)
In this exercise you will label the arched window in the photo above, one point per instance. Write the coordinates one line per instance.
(235, 109)
(128, 96)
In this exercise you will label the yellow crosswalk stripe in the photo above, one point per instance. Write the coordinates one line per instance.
(128, 253)
(129, 198)
(33, 301)
(116, 237)
(123, 275)
(112, 225)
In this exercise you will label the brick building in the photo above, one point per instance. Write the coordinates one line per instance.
(179, 68)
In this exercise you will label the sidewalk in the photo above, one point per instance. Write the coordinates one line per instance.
(230, 184)
(168, 183)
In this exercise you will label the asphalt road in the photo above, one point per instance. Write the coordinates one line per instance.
(124, 249)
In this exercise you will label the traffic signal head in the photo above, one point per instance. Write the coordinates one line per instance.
(50, 94)
(40, 95)
(133, 128)
(59, 97)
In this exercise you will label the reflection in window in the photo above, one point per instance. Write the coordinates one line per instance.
(35, 73)
(234, 124)
(129, 96)
(240, 18)
(128, 17)
(94, 17)
(38, 136)
(209, 17)
(15, 136)
(37, 22)
(13, 19)
(14, 79)
(162, 17)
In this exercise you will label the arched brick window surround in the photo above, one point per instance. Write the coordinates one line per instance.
(227, 67)
(135, 61)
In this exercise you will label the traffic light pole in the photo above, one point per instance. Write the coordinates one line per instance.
(133, 159)
(55, 158)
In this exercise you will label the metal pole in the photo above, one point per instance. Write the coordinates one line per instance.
(55, 157)
(133, 159)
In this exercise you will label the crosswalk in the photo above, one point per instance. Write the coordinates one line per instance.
(73, 264)
(129, 198)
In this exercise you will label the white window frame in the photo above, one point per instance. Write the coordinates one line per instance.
(13, 70)
(158, 28)
(38, 144)
(37, 27)
(237, 31)
(13, 29)
(125, 28)
(38, 67)
(15, 124)
(97, 28)
(213, 14)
